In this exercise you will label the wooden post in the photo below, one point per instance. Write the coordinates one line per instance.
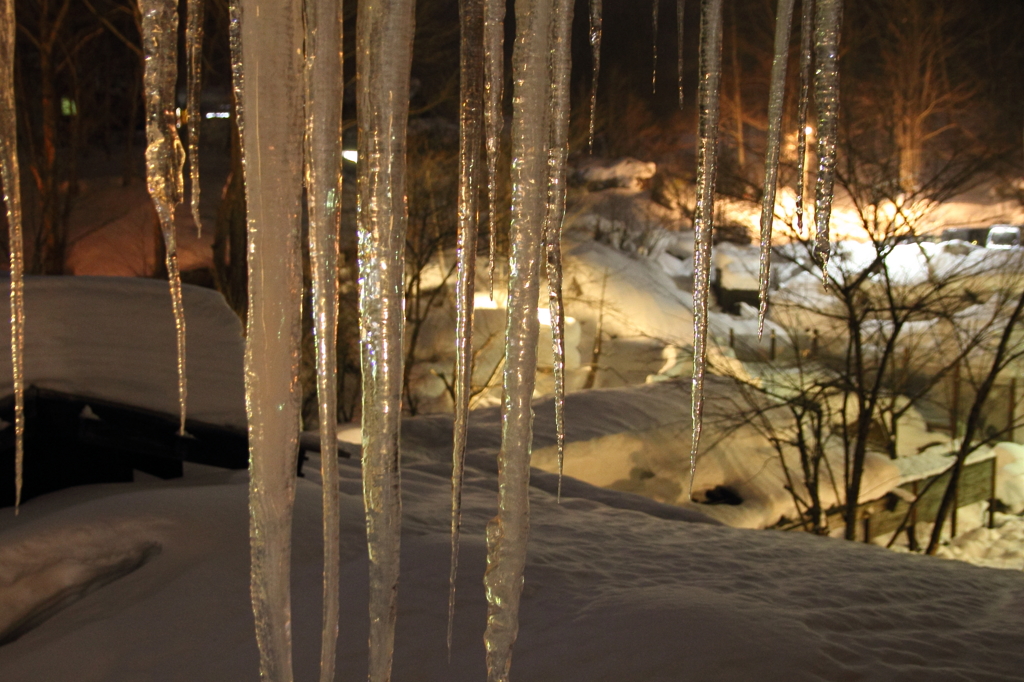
(912, 530)
(771, 346)
(992, 496)
(732, 338)
(867, 528)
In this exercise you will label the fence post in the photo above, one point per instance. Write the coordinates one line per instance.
(771, 347)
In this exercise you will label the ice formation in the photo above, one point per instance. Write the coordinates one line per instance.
(827, 22)
(806, 61)
(776, 97)
(494, 76)
(194, 116)
(707, 156)
(324, 84)
(384, 34)
(507, 533)
(561, 66)
(11, 178)
(471, 148)
(267, 63)
(595, 51)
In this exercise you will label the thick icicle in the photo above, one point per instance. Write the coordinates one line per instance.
(471, 151)
(776, 97)
(595, 51)
(561, 65)
(828, 21)
(165, 156)
(494, 77)
(266, 42)
(324, 94)
(194, 115)
(507, 533)
(680, 12)
(707, 157)
(384, 32)
(806, 60)
(655, 4)
(10, 176)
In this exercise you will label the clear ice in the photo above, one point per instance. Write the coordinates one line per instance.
(11, 178)
(324, 90)
(384, 33)
(708, 100)
(680, 14)
(806, 61)
(776, 98)
(561, 67)
(194, 116)
(165, 156)
(595, 51)
(471, 156)
(494, 76)
(507, 533)
(267, 61)
(828, 21)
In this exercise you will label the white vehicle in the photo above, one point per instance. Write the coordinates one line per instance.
(1003, 237)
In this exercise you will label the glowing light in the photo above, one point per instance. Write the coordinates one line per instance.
(483, 301)
(350, 155)
(218, 114)
(809, 130)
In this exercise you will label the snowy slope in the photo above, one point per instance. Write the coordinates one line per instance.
(610, 594)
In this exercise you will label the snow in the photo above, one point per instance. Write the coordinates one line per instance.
(627, 172)
(113, 338)
(610, 594)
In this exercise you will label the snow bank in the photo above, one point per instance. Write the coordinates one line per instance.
(625, 172)
(610, 594)
(113, 338)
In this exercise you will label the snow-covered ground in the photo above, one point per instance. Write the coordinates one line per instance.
(611, 593)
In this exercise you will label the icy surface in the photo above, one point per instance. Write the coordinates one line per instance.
(680, 13)
(271, 38)
(707, 153)
(613, 594)
(324, 85)
(827, 23)
(471, 158)
(776, 98)
(194, 115)
(164, 153)
(10, 175)
(806, 61)
(383, 55)
(494, 77)
(507, 533)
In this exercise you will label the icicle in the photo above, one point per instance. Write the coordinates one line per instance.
(806, 60)
(384, 32)
(680, 12)
(708, 96)
(561, 65)
(827, 23)
(507, 533)
(595, 50)
(266, 39)
(471, 143)
(194, 66)
(164, 153)
(654, 45)
(776, 97)
(324, 85)
(11, 178)
(494, 76)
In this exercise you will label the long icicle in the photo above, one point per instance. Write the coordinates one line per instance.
(776, 98)
(494, 77)
(827, 25)
(11, 178)
(266, 40)
(655, 5)
(595, 52)
(680, 13)
(384, 33)
(324, 85)
(507, 533)
(194, 115)
(707, 157)
(806, 61)
(561, 66)
(165, 156)
(471, 151)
